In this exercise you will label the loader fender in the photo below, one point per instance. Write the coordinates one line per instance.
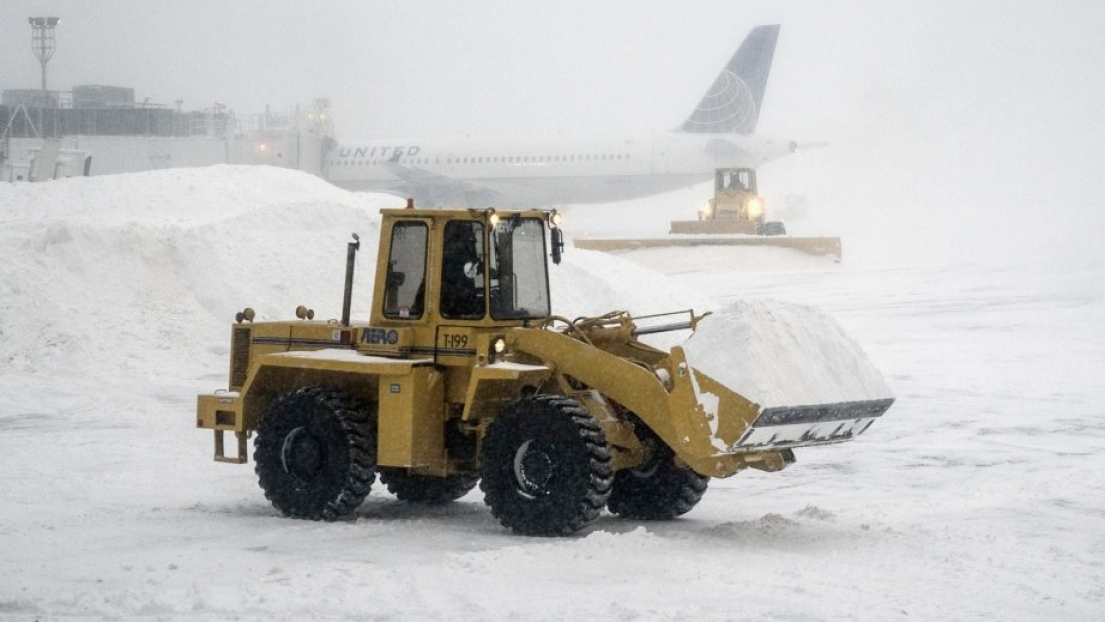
(274, 374)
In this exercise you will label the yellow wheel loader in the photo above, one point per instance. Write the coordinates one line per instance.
(462, 374)
(734, 216)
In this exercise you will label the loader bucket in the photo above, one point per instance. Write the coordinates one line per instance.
(718, 431)
(739, 430)
(807, 381)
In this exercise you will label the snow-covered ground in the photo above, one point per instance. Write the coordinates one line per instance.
(979, 496)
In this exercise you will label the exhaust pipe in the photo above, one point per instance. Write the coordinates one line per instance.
(350, 262)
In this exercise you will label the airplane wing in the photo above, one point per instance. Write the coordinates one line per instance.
(430, 189)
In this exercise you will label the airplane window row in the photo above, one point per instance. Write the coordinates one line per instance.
(488, 160)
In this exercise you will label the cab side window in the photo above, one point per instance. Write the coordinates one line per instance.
(405, 287)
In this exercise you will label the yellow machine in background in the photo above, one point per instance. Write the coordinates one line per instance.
(734, 216)
(736, 207)
(463, 374)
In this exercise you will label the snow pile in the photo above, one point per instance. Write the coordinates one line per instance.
(592, 283)
(152, 267)
(783, 354)
(180, 197)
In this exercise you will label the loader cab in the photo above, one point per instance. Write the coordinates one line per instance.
(493, 269)
(462, 267)
(732, 180)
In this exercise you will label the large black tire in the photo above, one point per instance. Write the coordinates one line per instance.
(315, 452)
(425, 489)
(545, 466)
(657, 490)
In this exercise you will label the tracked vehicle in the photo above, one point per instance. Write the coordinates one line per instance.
(462, 374)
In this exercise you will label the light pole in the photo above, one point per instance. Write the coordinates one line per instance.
(43, 42)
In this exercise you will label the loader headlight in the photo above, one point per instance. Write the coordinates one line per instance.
(498, 346)
(755, 207)
(555, 218)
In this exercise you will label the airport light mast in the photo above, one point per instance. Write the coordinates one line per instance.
(42, 41)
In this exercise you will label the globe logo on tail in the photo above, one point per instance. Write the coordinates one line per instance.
(729, 106)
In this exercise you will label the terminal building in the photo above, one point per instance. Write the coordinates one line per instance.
(103, 130)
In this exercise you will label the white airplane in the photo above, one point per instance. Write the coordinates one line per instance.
(519, 172)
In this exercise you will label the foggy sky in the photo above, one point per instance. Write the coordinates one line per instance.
(954, 127)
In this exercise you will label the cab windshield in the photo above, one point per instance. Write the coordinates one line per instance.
(519, 283)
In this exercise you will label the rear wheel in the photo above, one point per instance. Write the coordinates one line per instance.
(545, 466)
(315, 452)
(660, 489)
(424, 488)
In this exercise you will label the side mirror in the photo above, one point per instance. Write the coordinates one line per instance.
(557, 245)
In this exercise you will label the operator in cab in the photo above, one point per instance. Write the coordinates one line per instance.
(460, 295)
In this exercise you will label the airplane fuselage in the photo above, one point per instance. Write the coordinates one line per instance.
(561, 170)
(516, 173)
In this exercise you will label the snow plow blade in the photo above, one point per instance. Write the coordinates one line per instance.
(808, 245)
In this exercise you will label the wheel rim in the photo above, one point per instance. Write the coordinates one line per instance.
(302, 455)
(532, 470)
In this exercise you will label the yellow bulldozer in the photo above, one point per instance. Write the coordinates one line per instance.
(734, 216)
(463, 375)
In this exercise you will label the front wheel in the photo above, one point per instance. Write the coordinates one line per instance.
(660, 489)
(315, 452)
(545, 466)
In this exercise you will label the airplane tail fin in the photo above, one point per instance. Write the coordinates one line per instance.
(733, 102)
